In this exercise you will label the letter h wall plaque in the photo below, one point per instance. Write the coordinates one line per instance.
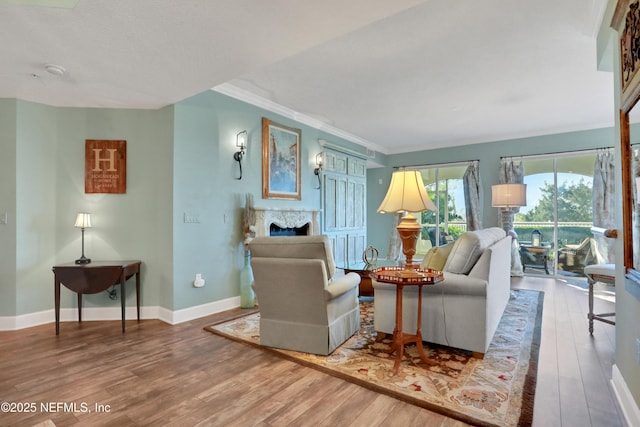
(105, 166)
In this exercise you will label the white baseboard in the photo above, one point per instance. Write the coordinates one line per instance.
(629, 407)
(12, 323)
(186, 314)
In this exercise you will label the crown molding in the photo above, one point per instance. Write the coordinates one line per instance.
(258, 101)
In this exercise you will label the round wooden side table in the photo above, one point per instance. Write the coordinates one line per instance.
(396, 276)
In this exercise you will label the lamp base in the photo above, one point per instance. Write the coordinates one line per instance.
(409, 230)
(83, 260)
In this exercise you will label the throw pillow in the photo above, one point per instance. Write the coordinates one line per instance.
(437, 256)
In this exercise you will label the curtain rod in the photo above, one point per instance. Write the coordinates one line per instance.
(556, 154)
(435, 165)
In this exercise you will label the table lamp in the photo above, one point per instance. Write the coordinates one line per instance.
(406, 193)
(507, 196)
(83, 220)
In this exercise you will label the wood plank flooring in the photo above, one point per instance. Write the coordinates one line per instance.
(157, 374)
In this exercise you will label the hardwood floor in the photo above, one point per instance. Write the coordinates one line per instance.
(157, 374)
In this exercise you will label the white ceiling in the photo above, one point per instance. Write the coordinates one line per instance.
(396, 76)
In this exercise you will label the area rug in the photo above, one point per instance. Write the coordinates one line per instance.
(495, 391)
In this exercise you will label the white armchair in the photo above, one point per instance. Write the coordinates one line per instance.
(302, 306)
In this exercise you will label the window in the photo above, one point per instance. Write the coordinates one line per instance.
(445, 186)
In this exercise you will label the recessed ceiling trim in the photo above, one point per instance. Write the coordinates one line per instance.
(258, 101)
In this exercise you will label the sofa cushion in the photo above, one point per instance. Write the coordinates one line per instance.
(437, 256)
(468, 248)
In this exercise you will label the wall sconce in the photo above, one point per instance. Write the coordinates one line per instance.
(318, 169)
(83, 220)
(241, 143)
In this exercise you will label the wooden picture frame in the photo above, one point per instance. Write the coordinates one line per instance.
(105, 169)
(280, 161)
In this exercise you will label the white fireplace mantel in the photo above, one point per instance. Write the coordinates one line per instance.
(286, 218)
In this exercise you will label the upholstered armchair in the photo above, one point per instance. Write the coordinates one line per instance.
(303, 306)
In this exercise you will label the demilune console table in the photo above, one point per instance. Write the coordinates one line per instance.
(92, 278)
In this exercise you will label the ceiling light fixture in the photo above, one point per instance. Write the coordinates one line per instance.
(56, 70)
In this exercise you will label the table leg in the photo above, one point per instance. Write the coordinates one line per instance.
(123, 295)
(56, 293)
(79, 307)
(546, 266)
(138, 292)
(423, 356)
(590, 315)
(397, 344)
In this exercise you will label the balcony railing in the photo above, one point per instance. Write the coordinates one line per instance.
(569, 232)
(570, 235)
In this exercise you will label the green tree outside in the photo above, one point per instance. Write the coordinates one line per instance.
(574, 204)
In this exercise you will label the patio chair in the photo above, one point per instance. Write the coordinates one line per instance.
(574, 258)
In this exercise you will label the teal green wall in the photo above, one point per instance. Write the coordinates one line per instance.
(379, 226)
(8, 112)
(36, 200)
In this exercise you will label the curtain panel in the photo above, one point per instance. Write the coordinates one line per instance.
(511, 172)
(603, 203)
(472, 187)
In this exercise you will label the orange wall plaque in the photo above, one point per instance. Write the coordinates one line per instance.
(105, 166)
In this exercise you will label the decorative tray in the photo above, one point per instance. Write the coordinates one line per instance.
(426, 276)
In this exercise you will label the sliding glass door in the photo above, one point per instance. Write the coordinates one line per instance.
(446, 189)
(554, 229)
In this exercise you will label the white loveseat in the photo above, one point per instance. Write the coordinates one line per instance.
(464, 310)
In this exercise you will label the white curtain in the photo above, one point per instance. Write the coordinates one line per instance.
(603, 203)
(511, 172)
(394, 252)
(472, 186)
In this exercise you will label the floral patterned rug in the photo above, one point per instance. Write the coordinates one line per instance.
(495, 391)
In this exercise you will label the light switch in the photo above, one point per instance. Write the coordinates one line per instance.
(191, 218)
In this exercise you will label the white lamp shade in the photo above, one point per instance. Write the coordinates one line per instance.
(508, 195)
(406, 193)
(83, 220)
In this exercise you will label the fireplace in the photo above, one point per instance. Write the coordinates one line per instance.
(287, 221)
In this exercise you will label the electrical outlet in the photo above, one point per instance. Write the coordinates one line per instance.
(4, 218)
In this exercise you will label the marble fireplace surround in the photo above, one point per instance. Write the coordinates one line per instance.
(286, 218)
